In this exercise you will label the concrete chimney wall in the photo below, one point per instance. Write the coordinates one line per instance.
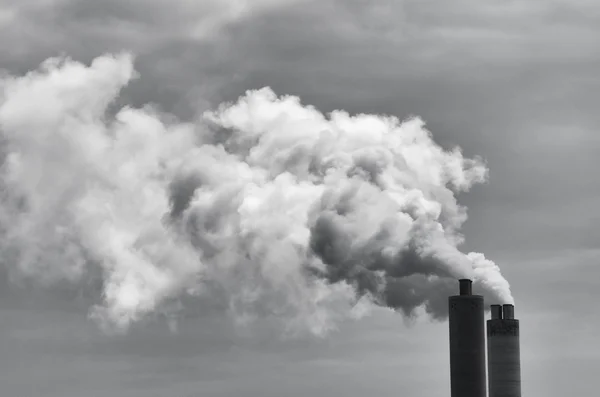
(467, 343)
(504, 357)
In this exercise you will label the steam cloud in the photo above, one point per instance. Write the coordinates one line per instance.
(264, 208)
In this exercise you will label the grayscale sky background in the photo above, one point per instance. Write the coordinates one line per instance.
(513, 81)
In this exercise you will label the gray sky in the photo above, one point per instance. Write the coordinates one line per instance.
(513, 82)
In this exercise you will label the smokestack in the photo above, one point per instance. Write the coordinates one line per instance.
(504, 361)
(496, 312)
(508, 312)
(467, 343)
(465, 286)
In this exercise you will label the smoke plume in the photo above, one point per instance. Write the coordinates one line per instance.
(266, 208)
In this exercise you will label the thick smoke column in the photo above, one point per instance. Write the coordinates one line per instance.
(265, 208)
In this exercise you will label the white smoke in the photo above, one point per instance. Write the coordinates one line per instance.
(267, 208)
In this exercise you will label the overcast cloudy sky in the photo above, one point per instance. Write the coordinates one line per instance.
(515, 82)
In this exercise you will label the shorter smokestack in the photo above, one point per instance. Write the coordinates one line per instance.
(465, 286)
(504, 356)
(496, 312)
(508, 312)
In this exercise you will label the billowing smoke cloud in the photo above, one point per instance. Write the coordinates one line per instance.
(266, 208)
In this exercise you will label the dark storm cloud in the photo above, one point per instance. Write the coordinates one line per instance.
(181, 48)
(381, 53)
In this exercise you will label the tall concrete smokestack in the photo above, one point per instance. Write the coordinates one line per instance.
(504, 356)
(467, 343)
